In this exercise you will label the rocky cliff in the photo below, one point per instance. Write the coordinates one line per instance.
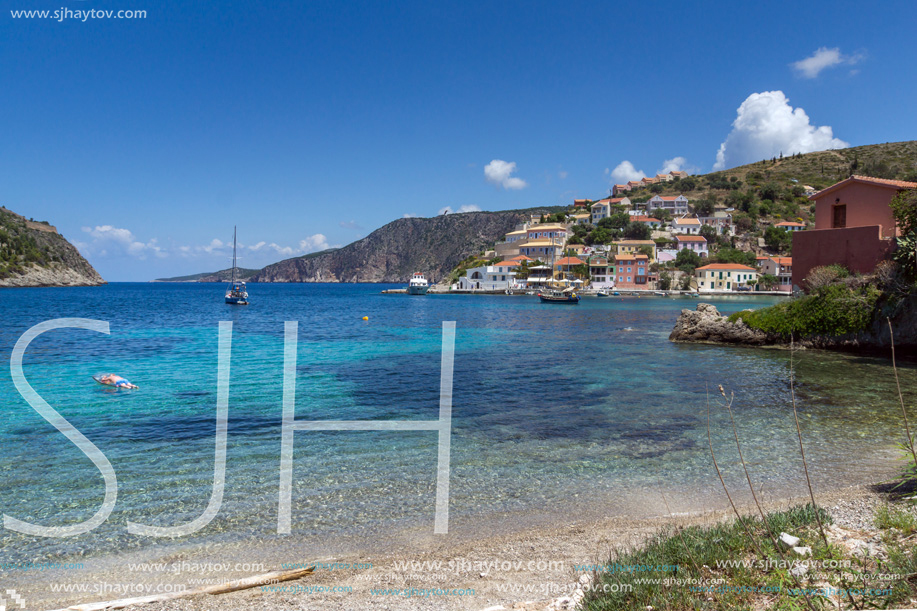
(35, 254)
(392, 253)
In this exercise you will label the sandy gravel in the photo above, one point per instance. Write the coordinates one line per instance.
(529, 569)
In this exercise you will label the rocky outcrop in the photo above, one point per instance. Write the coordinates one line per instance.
(35, 254)
(707, 325)
(434, 246)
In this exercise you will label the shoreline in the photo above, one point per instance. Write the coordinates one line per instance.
(525, 568)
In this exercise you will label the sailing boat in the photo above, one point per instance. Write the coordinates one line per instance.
(236, 294)
(551, 294)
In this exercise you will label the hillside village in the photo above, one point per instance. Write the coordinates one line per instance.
(739, 236)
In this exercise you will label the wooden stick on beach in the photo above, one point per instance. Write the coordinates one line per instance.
(232, 586)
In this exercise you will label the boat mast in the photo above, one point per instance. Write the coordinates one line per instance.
(233, 254)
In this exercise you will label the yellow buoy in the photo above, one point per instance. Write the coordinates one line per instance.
(366, 318)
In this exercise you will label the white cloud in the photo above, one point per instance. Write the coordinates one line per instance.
(765, 126)
(465, 208)
(499, 172)
(626, 171)
(822, 59)
(562, 174)
(314, 243)
(409, 215)
(118, 241)
(677, 164)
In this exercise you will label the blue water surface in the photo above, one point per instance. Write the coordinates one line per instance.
(554, 407)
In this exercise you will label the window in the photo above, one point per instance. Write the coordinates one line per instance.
(629, 279)
(840, 216)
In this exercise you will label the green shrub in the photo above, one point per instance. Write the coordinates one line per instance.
(833, 310)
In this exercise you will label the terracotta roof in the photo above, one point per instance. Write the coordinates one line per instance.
(789, 224)
(880, 182)
(691, 238)
(644, 219)
(728, 266)
(630, 257)
(668, 198)
(570, 261)
(612, 200)
(507, 264)
(687, 221)
(785, 261)
(522, 258)
(547, 227)
(635, 242)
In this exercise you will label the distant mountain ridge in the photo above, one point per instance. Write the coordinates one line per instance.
(35, 254)
(392, 253)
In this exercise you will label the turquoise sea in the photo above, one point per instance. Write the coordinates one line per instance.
(558, 412)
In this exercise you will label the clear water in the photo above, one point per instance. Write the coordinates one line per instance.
(556, 408)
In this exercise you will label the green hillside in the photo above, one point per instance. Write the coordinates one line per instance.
(772, 190)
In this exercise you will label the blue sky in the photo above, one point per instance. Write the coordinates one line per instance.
(310, 124)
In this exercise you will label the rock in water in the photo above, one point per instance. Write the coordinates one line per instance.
(706, 324)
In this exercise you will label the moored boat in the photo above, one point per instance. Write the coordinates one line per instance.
(418, 284)
(236, 293)
(554, 296)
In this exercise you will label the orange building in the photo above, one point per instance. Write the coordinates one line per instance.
(854, 226)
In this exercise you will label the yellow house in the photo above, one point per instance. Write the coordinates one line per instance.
(632, 247)
(725, 277)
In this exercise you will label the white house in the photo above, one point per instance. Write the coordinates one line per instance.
(694, 243)
(542, 250)
(581, 219)
(790, 226)
(676, 206)
(721, 221)
(686, 226)
(498, 277)
(602, 208)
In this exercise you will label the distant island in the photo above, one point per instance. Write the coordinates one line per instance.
(33, 253)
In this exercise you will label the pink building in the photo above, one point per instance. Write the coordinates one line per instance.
(631, 271)
(854, 226)
(696, 243)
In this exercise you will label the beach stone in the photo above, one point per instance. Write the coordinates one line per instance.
(789, 540)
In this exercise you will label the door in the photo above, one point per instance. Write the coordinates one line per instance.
(840, 216)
